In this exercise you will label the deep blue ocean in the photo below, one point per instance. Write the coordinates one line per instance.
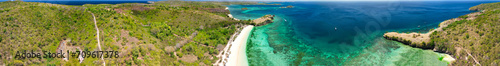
(338, 33)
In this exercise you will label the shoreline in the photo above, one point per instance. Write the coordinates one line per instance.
(447, 58)
(418, 39)
(231, 16)
(234, 54)
(238, 48)
(421, 40)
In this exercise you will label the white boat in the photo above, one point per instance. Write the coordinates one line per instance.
(284, 19)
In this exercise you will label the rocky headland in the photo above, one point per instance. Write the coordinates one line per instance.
(266, 19)
(471, 39)
(421, 40)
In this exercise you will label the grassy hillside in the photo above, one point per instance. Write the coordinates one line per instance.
(479, 37)
(163, 33)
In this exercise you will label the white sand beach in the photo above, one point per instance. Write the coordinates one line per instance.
(231, 16)
(448, 58)
(235, 52)
(238, 56)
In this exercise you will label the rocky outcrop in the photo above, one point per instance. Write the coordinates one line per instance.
(412, 39)
(266, 19)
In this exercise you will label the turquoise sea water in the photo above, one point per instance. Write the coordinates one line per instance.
(345, 33)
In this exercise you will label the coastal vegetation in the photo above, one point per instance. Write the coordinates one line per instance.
(487, 6)
(159, 33)
(477, 39)
(472, 39)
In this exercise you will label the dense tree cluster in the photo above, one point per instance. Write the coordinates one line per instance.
(142, 33)
(478, 37)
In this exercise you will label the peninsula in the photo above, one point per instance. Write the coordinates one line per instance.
(471, 39)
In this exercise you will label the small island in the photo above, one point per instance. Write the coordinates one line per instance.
(289, 6)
